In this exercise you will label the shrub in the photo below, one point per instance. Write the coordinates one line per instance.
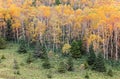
(22, 64)
(62, 67)
(86, 76)
(86, 65)
(3, 57)
(70, 66)
(17, 72)
(2, 43)
(110, 73)
(46, 64)
(49, 74)
(29, 59)
(82, 67)
(16, 66)
(0, 61)
(99, 64)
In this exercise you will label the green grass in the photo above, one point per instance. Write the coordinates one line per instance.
(35, 70)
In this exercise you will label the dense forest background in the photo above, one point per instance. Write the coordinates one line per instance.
(39, 39)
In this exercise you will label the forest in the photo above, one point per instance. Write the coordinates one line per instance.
(59, 39)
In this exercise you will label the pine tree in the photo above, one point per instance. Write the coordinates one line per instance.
(22, 48)
(9, 32)
(37, 52)
(46, 64)
(44, 53)
(75, 50)
(40, 51)
(62, 67)
(81, 47)
(70, 66)
(57, 2)
(99, 64)
(92, 57)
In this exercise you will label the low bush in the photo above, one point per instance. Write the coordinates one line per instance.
(110, 73)
(86, 76)
(2, 43)
(29, 59)
(15, 66)
(3, 57)
(46, 64)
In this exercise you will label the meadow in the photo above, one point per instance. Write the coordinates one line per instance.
(34, 70)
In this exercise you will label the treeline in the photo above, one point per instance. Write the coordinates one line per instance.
(57, 25)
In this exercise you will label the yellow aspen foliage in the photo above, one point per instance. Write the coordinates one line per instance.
(40, 28)
(16, 24)
(94, 37)
(45, 10)
(14, 11)
(68, 10)
(66, 48)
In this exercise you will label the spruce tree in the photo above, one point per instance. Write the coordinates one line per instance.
(70, 66)
(22, 48)
(75, 50)
(62, 67)
(9, 32)
(57, 2)
(46, 64)
(81, 47)
(40, 51)
(44, 53)
(99, 64)
(92, 57)
(37, 52)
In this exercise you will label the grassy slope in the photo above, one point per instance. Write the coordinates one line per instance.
(35, 71)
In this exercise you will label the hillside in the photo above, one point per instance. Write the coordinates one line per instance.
(60, 39)
(35, 70)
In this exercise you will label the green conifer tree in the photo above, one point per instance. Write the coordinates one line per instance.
(92, 57)
(22, 48)
(62, 67)
(57, 2)
(99, 64)
(70, 64)
(75, 50)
